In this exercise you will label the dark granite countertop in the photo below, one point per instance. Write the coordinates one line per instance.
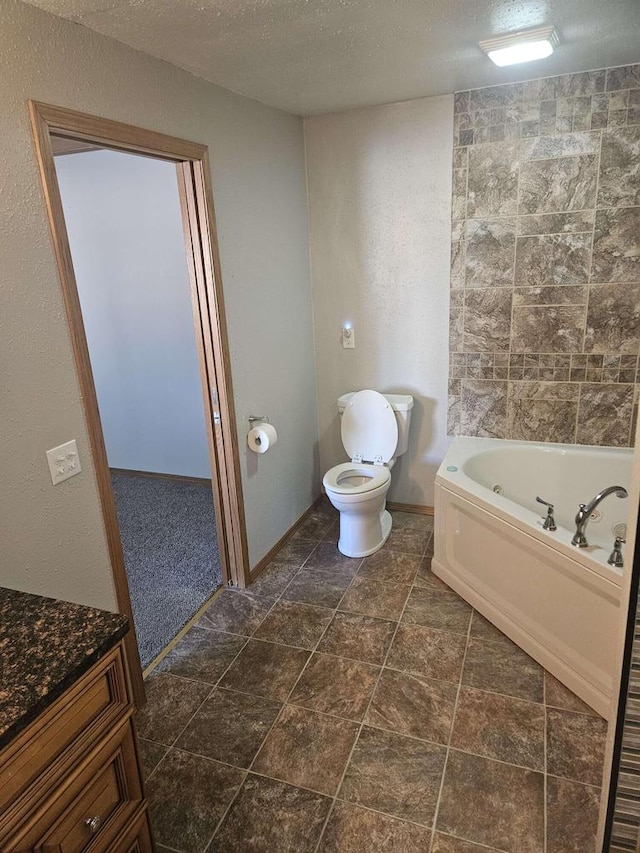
(46, 645)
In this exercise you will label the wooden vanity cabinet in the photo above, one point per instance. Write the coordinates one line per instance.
(70, 782)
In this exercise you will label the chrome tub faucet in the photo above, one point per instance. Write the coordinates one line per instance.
(584, 513)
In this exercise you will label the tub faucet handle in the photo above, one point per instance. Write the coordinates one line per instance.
(549, 522)
(615, 558)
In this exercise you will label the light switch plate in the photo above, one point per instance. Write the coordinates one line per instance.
(349, 338)
(64, 461)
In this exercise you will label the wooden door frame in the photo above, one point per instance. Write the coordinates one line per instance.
(196, 199)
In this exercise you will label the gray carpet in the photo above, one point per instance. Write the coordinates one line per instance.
(171, 554)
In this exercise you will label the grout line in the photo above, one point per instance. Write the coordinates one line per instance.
(317, 651)
(503, 695)
(192, 679)
(212, 689)
(595, 200)
(491, 758)
(212, 630)
(335, 800)
(544, 785)
(577, 420)
(373, 693)
(280, 712)
(453, 721)
(379, 811)
(166, 752)
(463, 237)
(478, 844)
(209, 759)
(535, 235)
(572, 156)
(281, 600)
(207, 846)
(208, 696)
(589, 296)
(232, 662)
(278, 715)
(577, 781)
(509, 386)
(288, 645)
(291, 784)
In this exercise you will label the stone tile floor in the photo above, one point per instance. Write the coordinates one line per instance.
(345, 705)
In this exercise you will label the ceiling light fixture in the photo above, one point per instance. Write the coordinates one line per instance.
(523, 46)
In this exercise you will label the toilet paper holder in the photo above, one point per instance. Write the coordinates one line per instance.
(258, 419)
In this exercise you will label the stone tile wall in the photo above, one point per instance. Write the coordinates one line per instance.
(545, 272)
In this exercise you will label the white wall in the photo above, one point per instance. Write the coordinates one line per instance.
(379, 215)
(53, 539)
(125, 230)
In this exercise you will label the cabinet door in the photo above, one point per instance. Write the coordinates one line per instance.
(136, 838)
(94, 804)
(42, 755)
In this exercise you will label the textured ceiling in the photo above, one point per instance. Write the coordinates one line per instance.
(314, 56)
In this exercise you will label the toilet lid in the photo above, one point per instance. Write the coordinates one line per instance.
(369, 427)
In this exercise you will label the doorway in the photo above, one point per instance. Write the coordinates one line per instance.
(70, 131)
(123, 220)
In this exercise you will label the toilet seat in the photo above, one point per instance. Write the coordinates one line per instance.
(377, 476)
(369, 428)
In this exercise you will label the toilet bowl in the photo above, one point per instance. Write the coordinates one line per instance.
(358, 489)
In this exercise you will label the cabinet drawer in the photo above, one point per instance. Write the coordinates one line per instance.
(45, 751)
(92, 806)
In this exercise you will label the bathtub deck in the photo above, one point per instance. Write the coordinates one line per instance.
(353, 705)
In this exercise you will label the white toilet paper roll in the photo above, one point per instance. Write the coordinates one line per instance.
(262, 437)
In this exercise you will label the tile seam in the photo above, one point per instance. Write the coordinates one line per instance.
(373, 692)
(278, 715)
(453, 722)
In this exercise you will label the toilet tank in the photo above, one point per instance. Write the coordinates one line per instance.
(401, 405)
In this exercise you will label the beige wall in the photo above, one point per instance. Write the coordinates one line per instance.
(379, 200)
(52, 538)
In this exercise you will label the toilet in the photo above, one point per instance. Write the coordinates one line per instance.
(375, 431)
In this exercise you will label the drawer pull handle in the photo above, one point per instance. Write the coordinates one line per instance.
(93, 824)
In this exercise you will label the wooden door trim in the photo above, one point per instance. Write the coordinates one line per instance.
(202, 214)
(211, 356)
(201, 248)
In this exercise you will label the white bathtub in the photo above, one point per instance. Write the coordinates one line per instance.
(557, 602)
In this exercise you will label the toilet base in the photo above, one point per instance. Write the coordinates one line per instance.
(361, 535)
